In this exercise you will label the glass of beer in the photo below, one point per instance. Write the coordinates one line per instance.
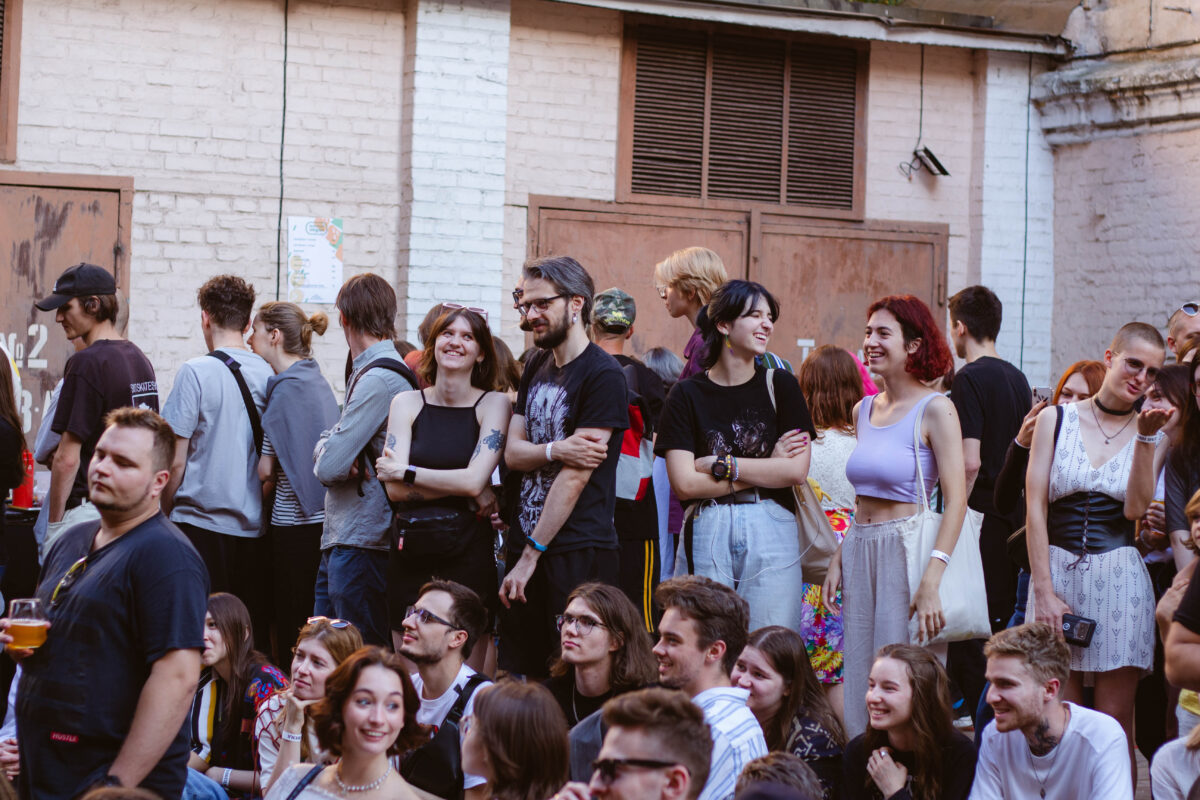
(27, 624)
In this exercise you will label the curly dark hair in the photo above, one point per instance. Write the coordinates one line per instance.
(327, 713)
(228, 301)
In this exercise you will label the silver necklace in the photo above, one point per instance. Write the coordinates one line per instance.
(366, 787)
(1108, 438)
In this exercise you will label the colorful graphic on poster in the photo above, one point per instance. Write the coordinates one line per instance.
(314, 259)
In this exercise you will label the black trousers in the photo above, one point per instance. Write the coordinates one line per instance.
(295, 559)
(240, 566)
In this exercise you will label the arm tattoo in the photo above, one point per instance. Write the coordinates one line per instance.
(494, 441)
(413, 496)
(391, 441)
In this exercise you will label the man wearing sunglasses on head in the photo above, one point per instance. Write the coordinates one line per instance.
(102, 701)
(565, 436)
(1183, 332)
(657, 746)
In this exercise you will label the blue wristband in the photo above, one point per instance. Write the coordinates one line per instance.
(535, 544)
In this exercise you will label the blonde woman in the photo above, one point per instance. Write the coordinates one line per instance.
(685, 280)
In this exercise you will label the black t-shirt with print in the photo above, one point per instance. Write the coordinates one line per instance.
(706, 419)
(992, 398)
(587, 392)
(107, 374)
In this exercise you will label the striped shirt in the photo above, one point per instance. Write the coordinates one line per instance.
(737, 738)
(286, 511)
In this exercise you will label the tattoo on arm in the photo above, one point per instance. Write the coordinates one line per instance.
(391, 441)
(494, 441)
(413, 496)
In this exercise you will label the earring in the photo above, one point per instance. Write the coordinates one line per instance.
(728, 344)
(574, 318)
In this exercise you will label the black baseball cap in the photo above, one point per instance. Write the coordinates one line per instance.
(81, 280)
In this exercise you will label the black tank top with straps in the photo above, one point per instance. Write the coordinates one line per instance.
(444, 437)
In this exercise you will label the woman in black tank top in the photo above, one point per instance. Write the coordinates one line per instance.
(443, 445)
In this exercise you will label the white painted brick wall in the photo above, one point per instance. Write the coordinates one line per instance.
(186, 98)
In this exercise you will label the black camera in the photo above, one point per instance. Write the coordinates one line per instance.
(1078, 630)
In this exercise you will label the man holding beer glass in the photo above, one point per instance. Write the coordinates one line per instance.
(121, 607)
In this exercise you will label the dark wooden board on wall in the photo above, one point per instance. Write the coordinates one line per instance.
(47, 223)
(824, 272)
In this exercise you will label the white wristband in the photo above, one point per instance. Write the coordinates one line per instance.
(940, 556)
(549, 451)
(288, 736)
(1147, 438)
(225, 778)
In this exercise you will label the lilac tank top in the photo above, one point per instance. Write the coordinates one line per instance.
(882, 464)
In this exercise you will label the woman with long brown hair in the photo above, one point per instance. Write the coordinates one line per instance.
(604, 651)
(790, 703)
(832, 385)
(517, 739)
(910, 742)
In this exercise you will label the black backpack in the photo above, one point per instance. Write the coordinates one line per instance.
(366, 458)
(436, 766)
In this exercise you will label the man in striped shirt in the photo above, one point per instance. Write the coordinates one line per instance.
(702, 633)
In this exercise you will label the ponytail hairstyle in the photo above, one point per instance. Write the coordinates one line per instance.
(729, 302)
(296, 328)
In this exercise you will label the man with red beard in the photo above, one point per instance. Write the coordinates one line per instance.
(1039, 745)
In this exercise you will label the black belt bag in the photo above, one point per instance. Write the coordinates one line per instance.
(1089, 523)
(436, 766)
(433, 531)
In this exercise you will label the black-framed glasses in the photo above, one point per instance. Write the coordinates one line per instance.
(1134, 367)
(584, 625)
(542, 304)
(606, 769)
(68, 581)
(333, 622)
(460, 307)
(426, 617)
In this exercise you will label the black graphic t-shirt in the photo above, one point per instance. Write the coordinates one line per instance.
(588, 392)
(706, 419)
(107, 374)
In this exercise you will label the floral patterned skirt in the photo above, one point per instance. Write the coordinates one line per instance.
(822, 631)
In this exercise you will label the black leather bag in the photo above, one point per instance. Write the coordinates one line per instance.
(433, 531)
(436, 766)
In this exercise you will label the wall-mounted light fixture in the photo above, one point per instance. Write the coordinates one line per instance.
(929, 161)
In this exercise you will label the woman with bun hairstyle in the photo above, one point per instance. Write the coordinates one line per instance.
(300, 405)
(735, 446)
(904, 347)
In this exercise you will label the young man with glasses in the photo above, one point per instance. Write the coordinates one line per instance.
(126, 598)
(657, 747)
(440, 631)
(565, 436)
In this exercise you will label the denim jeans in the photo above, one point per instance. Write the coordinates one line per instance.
(352, 585)
(753, 548)
(201, 787)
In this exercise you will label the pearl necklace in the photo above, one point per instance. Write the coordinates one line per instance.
(366, 787)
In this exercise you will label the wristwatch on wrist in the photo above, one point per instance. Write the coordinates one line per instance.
(410, 476)
(720, 468)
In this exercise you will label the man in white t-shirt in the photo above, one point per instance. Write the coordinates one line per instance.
(1040, 746)
(440, 630)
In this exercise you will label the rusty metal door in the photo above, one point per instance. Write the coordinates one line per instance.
(620, 245)
(48, 223)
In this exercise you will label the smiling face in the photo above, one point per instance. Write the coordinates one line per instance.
(681, 662)
(883, 346)
(751, 332)
(889, 695)
(550, 327)
(374, 713)
(1015, 695)
(767, 687)
(311, 665)
(215, 649)
(456, 346)
(579, 649)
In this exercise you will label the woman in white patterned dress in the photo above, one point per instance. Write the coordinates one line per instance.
(1081, 551)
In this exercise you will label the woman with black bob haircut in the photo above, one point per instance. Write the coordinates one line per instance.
(735, 443)
(368, 715)
(443, 444)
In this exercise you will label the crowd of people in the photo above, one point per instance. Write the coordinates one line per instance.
(581, 574)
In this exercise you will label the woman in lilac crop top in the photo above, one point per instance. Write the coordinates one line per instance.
(905, 348)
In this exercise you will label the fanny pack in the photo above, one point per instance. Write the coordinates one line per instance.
(433, 531)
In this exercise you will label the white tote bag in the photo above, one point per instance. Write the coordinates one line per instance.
(964, 600)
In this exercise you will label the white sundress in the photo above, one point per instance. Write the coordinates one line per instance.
(1112, 588)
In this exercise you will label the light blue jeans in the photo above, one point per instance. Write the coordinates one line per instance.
(753, 549)
(201, 787)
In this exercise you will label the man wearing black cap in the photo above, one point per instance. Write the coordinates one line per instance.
(109, 372)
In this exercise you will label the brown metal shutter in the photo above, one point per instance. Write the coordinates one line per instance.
(744, 118)
(1, 34)
(668, 126)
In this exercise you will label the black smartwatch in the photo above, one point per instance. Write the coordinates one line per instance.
(410, 476)
(720, 468)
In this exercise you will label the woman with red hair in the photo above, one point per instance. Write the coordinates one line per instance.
(904, 427)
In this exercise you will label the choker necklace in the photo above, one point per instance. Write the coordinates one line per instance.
(1107, 410)
(366, 787)
(1099, 427)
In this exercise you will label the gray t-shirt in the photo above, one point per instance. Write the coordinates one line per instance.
(220, 490)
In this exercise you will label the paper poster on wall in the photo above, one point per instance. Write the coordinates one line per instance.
(314, 259)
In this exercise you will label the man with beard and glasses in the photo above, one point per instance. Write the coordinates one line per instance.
(103, 701)
(1038, 745)
(565, 436)
(440, 631)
